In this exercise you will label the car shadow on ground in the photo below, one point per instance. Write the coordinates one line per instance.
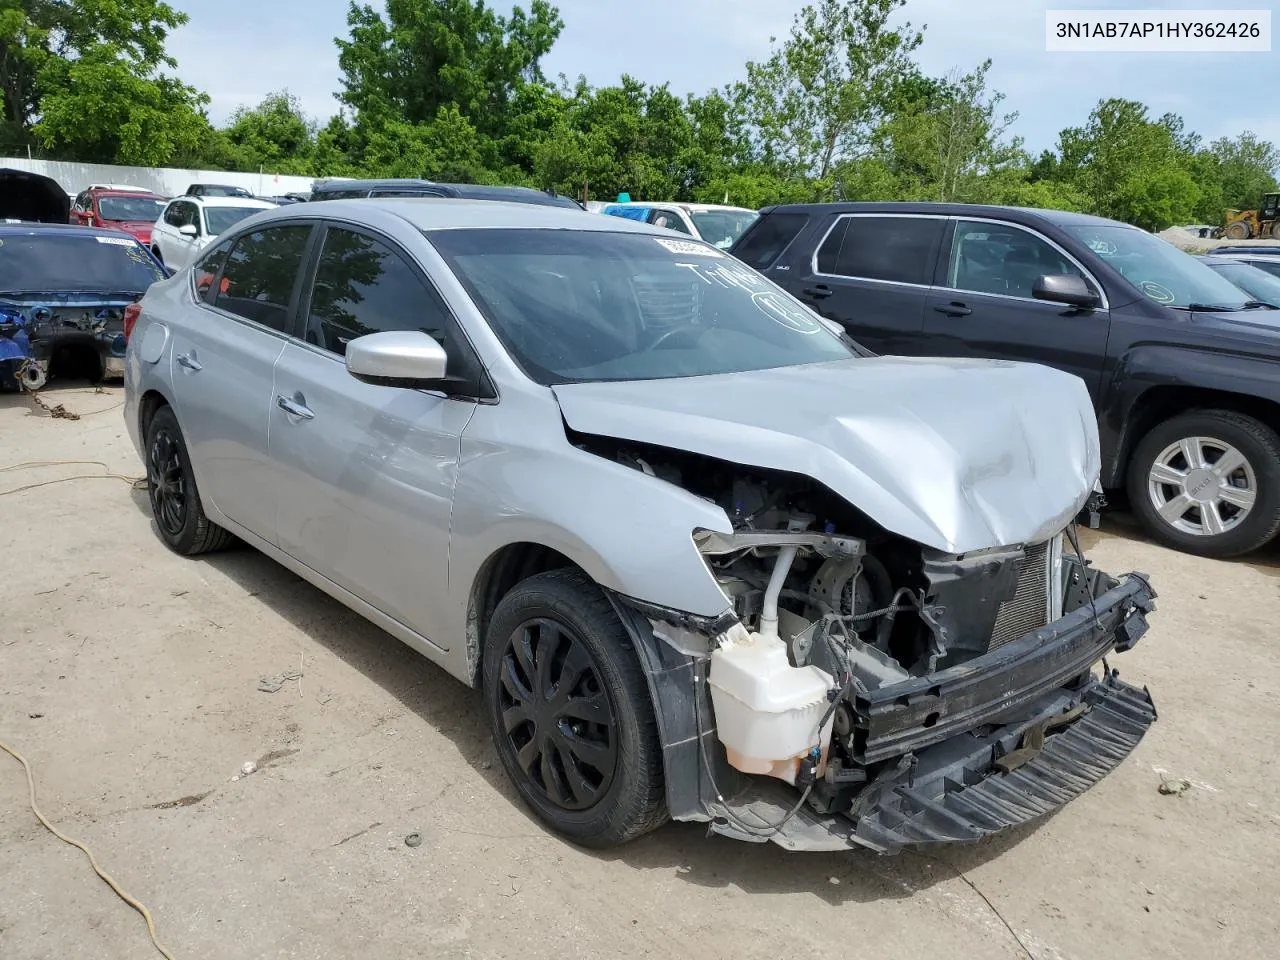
(456, 711)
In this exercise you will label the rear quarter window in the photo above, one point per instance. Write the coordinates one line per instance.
(895, 249)
(767, 239)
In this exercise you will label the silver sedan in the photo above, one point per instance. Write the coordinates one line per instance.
(705, 556)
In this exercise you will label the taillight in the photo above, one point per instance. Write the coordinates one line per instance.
(131, 313)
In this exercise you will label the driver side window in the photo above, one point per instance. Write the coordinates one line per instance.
(1002, 259)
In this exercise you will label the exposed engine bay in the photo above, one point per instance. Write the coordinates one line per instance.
(835, 616)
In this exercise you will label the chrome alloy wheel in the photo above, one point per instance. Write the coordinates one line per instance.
(1202, 486)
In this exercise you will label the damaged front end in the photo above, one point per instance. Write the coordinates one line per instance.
(865, 690)
(33, 332)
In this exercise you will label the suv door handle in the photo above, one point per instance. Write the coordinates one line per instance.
(294, 408)
(189, 361)
(820, 292)
(954, 309)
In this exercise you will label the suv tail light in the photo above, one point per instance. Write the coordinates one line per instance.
(131, 313)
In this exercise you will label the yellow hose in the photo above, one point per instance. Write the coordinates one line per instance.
(137, 905)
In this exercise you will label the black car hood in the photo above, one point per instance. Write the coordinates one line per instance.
(30, 196)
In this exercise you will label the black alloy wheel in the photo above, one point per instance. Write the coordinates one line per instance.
(171, 488)
(557, 715)
(570, 711)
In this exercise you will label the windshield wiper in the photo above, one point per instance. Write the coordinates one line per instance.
(1210, 308)
(1260, 305)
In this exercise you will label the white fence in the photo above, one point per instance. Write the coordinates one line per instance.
(166, 181)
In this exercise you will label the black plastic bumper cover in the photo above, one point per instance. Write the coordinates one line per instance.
(913, 715)
(1069, 763)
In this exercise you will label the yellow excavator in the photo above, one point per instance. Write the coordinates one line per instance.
(1263, 222)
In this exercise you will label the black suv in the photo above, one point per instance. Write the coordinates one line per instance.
(1181, 364)
(351, 189)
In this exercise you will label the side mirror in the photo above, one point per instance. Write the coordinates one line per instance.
(189, 230)
(1064, 288)
(397, 358)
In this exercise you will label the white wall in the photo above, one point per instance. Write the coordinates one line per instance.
(166, 181)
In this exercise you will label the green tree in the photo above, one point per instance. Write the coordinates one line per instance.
(1130, 167)
(1235, 173)
(275, 135)
(85, 80)
(424, 55)
(822, 93)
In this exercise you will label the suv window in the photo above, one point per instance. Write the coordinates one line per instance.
(1003, 259)
(172, 215)
(363, 286)
(669, 219)
(900, 249)
(259, 274)
(764, 242)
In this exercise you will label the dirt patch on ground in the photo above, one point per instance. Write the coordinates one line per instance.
(130, 677)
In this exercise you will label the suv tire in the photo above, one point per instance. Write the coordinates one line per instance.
(1176, 479)
(172, 491)
(570, 711)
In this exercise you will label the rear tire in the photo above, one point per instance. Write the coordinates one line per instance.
(172, 490)
(1181, 489)
(1275, 230)
(570, 711)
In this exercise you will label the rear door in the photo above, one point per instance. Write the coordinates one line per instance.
(982, 305)
(367, 472)
(224, 357)
(870, 273)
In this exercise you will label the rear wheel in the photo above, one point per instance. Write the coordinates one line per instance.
(570, 711)
(1208, 482)
(171, 488)
(1275, 229)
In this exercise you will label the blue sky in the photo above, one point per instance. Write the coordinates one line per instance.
(239, 50)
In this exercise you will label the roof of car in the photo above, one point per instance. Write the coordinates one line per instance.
(473, 191)
(1057, 217)
(32, 228)
(449, 213)
(131, 192)
(691, 207)
(1266, 251)
(227, 202)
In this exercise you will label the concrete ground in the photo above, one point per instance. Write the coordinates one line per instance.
(130, 679)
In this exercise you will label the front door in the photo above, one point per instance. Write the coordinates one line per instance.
(223, 369)
(983, 307)
(367, 473)
(871, 273)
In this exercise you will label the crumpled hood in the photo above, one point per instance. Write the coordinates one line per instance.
(958, 455)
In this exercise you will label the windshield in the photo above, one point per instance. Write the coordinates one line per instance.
(723, 227)
(45, 262)
(1258, 284)
(574, 306)
(130, 208)
(1160, 271)
(219, 219)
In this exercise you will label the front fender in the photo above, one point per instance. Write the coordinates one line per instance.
(1147, 366)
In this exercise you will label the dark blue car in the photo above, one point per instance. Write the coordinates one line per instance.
(63, 292)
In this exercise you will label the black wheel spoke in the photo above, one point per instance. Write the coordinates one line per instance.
(530, 756)
(592, 709)
(593, 753)
(556, 716)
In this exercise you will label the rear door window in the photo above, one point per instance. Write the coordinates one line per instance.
(896, 249)
(207, 269)
(259, 274)
(765, 242)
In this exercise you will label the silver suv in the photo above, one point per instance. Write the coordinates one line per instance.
(705, 558)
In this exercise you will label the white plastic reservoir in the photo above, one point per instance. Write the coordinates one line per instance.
(767, 711)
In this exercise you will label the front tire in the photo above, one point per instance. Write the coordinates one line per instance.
(570, 711)
(1208, 482)
(172, 490)
(1238, 230)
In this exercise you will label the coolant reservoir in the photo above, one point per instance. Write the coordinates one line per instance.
(767, 711)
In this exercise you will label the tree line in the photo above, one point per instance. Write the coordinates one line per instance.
(452, 90)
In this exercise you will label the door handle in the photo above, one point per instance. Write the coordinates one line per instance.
(294, 408)
(954, 309)
(190, 362)
(820, 292)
